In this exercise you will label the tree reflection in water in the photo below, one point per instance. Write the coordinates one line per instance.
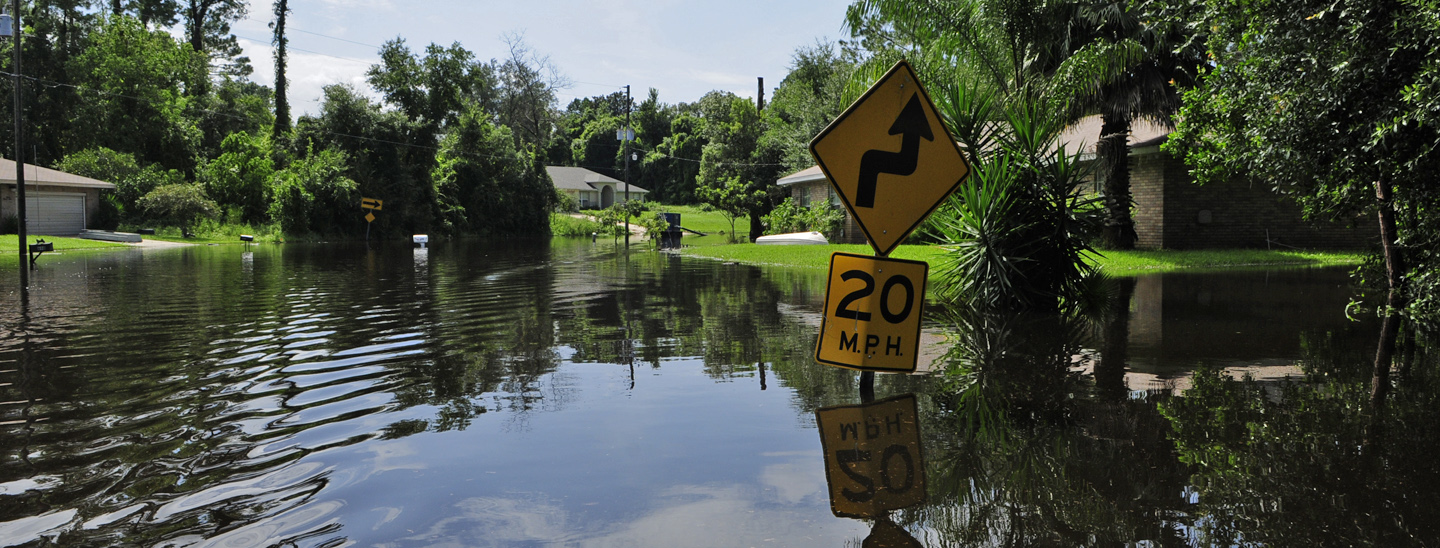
(1025, 450)
(1024, 455)
(1300, 465)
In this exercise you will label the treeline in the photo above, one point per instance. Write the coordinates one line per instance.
(455, 144)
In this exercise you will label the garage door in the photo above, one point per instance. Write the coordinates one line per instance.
(54, 213)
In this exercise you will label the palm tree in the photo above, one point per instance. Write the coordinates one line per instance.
(1145, 90)
(1004, 75)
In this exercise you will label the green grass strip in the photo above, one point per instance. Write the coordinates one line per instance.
(10, 243)
(1116, 263)
(1123, 263)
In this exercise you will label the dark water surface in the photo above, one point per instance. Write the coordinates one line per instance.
(564, 393)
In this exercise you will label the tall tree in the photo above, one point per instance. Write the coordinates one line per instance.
(1316, 98)
(1147, 90)
(207, 29)
(281, 43)
(137, 96)
(528, 84)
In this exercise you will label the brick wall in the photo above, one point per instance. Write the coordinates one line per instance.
(1172, 212)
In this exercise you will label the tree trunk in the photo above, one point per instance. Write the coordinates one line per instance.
(1115, 342)
(1390, 328)
(196, 14)
(1112, 152)
(282, 104)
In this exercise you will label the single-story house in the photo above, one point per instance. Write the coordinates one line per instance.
(1171, 211)
(56, 203)
(809, 186)
(591, 190)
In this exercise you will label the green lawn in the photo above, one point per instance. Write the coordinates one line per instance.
(709, 222)
(10, 244)
(10, 248)
(211, 232)
(1122, 263)
(1117, 263)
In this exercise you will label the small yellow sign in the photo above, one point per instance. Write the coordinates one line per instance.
(369, 217)
(873, 462)
(872, 313)
(890, 158)
(371, 203)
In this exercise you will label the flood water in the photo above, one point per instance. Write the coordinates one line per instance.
(570, 393)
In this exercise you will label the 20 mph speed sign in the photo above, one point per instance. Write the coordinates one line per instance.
(872, 313)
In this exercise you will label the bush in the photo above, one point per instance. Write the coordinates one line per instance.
(565, 225)
(789, 217)
(564, 203)
(654, 224)
(310, 194)
(179, 204)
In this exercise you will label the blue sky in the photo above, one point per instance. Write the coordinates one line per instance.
(682, 48)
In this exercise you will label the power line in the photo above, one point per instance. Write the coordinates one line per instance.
(292, 48)
(337, 38)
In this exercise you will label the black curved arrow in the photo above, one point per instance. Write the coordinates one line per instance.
(912, 123)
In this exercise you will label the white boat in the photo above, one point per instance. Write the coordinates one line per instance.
(793, 238)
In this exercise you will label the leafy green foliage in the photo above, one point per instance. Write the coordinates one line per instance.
(131, 181)
(733, 197)
(143, 78)
(498, 191)
(313, 195)
(1325, 102)
(180, 204)
(817, 217)
(566, 225)
(239, 177)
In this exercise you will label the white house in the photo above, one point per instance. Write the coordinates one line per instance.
(592, 190)
(56, 203)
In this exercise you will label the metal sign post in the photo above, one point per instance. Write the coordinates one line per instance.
(373, 205)
(892, 161)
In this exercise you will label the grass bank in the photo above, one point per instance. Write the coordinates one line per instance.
(709, 222)
(10, 248)
(10, 243)
(1115, 263)
(211, 232)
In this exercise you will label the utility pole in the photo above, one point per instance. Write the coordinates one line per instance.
(19, 150)
(627, 161)
(760, 94)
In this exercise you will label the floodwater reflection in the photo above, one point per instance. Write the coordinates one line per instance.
(573, 393)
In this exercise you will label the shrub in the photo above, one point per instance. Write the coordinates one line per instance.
(565, 225)
(564, 203)
(789, 217)
(310, 194)
(178, 204)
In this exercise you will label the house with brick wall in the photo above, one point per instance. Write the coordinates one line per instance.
(809, 186)
(1171, 210)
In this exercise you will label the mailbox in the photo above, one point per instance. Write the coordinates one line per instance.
(39, 248)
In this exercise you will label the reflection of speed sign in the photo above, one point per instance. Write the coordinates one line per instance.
(872, 313)
(872, 457)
